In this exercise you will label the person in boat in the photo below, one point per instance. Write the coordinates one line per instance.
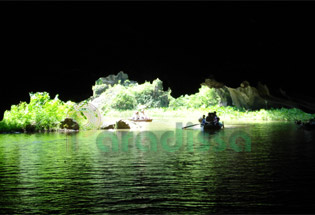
(142, 115)
(216, 119)
(136, 116)
(298, 122)
(203, 120)
(210, 118)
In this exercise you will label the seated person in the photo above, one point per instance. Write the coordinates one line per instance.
(142, 115)
(210, 118)
(136, 116)
(203, 120)
(216, 119)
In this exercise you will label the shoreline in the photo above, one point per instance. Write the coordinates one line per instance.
(226, 114)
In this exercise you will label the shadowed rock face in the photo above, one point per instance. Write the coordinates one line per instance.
(245, 96)
(254, 98)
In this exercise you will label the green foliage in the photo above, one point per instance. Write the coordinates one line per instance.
(151, 95)
(204, 98)
(124, 100)
(131, 96)
(45, 113)
(42, 112)
(240, 114)
(98, 89)
(120, 100)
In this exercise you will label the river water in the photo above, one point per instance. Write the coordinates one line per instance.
(245, 168)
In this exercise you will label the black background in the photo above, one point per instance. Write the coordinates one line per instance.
(62, 48)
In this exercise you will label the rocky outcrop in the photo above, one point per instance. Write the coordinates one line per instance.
(69, 123)
(104, 83)
(212, 83)
(245, 96)
(253, 98)
(107, 126)
(122, 124)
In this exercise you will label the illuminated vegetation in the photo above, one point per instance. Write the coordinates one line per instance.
(41, 113)
(118, 101)
(206, 97)
(126, 99)
(130, 97)
(225, 114)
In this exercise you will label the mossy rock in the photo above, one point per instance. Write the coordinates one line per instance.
(121, 124)
(69, 123)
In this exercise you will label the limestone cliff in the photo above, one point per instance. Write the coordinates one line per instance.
(253, 98)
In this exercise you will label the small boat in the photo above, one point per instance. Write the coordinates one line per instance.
(210, 127)
(306, 125)
(141, 120)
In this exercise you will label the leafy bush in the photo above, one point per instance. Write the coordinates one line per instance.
(131, 96)
(151, 95)
(204, 98)
(98, 89)
(124, 100)
(42, 112)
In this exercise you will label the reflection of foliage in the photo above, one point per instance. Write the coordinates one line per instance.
(42, 112)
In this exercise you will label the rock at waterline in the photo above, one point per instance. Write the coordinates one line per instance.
(106, 126)
(69, 123)
(122, 124)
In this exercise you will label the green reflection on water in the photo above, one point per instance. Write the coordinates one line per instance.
(66, 173)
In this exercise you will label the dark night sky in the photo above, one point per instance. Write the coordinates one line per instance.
(62, 48)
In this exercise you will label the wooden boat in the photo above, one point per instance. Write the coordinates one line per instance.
(141, 120)
(210, 127)
(307, 126)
